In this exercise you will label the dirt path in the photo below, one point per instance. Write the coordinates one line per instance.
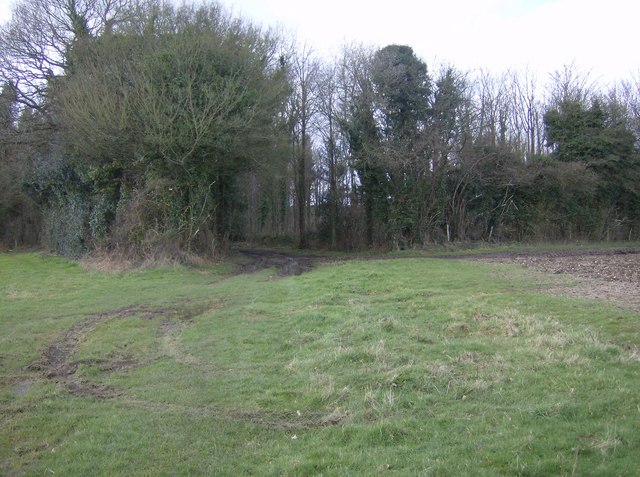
(58, 361)
(286, 264)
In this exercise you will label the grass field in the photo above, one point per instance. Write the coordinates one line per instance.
(410, 366)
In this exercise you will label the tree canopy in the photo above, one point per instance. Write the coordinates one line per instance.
(147, 129)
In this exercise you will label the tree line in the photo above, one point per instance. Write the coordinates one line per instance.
(137, 127)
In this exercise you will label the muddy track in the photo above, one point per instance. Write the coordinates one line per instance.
(286, 264)
(58, 364)
(58, 361)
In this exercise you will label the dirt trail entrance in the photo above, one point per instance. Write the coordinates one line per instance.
(286, 264)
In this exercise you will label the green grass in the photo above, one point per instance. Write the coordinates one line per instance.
(402, 367)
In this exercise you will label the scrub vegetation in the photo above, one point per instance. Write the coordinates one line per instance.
(139, 129)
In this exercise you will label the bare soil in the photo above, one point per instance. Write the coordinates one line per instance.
(286, 264)
(612, 275)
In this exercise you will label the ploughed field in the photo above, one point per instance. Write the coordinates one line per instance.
(612, 275)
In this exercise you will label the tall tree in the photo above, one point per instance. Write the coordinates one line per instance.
(303, 69)
(403, 95)
(163, 118)
(444, 204)
(329, 131)
(19, 216)
(526, 114)
(358, 123)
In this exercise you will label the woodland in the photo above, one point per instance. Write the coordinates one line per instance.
(139, 128)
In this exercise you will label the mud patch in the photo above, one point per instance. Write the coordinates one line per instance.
(286, 265)
(56, 361)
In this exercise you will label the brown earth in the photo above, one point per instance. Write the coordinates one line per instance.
(286, 264)
(612, 275)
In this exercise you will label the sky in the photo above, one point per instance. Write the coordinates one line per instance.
(597, 37)
(5, 10)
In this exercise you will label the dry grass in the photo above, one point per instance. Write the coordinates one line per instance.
(115, 261)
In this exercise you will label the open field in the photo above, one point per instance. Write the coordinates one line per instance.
(409, 366)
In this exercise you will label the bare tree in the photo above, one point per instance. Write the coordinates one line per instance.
(526, 113)
(303, 70)
(357, 123)
(332, 144)
(492, 109)
(628, 93)
(570, 85)
(36, 44)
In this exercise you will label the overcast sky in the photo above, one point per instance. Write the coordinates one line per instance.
(5, 10)
(542, 35)
(600, 37)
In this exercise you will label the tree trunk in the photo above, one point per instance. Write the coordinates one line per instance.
(301, 195)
